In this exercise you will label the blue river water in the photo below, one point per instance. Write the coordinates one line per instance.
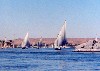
(48, 59)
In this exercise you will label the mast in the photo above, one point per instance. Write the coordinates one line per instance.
(40, 42)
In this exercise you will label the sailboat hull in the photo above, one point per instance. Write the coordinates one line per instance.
(57, 48)
(23, 47)
(61, 38)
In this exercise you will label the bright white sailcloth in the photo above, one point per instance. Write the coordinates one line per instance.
(25, 42)
(61, 37)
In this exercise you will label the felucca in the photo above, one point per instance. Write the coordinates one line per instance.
(25, 42)
(61, 38)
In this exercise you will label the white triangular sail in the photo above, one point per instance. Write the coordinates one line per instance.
(61, 38)
(5, 42)
(56, 43)
(25, 41)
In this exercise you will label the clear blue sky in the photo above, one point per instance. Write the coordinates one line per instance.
(45, 18)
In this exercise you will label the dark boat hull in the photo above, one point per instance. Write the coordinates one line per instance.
(57, 48)
(23, 47)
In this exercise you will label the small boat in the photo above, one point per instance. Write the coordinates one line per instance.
(25, 42)
(61, 38)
